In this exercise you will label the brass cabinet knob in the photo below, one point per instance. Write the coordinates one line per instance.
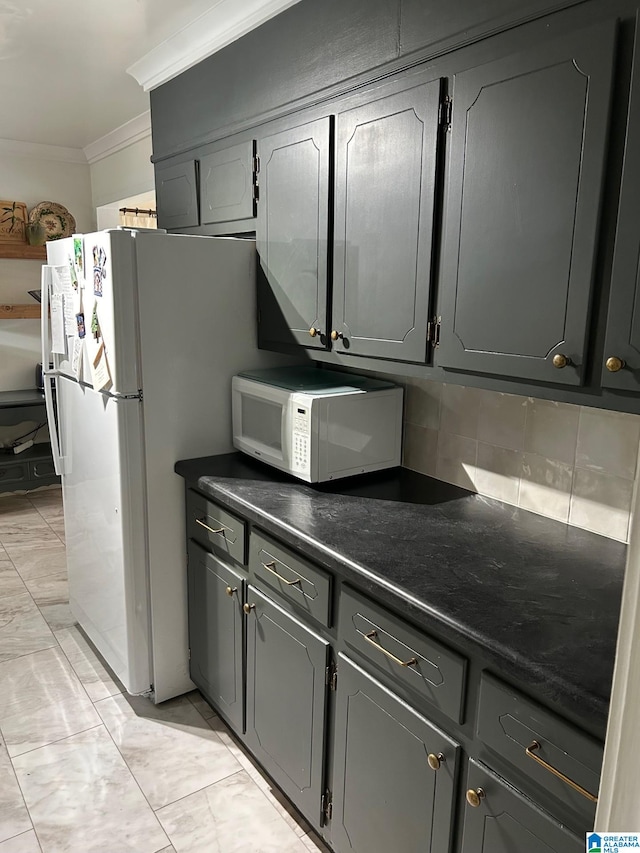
(231, 589)
(560, 360)
(475, 797)
(314, 332)
(335, 335)
(614, 364)
(248, 608)
(435, 760)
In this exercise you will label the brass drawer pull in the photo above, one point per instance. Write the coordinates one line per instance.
(220, 530)
(531, 753)
(271, 567)
(372, 637)
(230, 590)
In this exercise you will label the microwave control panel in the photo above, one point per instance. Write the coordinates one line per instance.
(301, 438)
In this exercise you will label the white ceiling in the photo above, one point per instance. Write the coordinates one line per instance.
(63, 66)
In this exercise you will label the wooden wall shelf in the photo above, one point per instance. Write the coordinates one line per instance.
(20, 312)
(23, 250)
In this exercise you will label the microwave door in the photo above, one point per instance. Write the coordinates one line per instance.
(260, 421)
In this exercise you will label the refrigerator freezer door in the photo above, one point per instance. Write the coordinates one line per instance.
(105, 527)
(58, 253)
(106, 296)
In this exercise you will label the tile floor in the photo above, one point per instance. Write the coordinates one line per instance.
(85, 768)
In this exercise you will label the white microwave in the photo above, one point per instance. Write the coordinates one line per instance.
(316, 424)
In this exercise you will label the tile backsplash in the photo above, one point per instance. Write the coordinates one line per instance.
(572, 463)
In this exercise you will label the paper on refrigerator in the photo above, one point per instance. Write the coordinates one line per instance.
(100, 375)
(62, 285)
(76, 357)
(58, 339)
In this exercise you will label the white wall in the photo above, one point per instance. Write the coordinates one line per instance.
(80, 188)
(126, 173)
(33, 179)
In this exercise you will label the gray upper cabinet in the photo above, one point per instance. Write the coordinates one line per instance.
(215, 632)
(394, 772)
(430, 22)
(227, 184)
(177, 195)
(292, 235)
(498, 819)
(528, 144)
(286, 689)
(385, 191)
(621, 363)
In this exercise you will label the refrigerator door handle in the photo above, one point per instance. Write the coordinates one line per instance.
(45, 288)
(54, 432)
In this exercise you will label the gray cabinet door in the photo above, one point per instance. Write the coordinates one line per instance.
(292, 235)
(528, 146)
(386, 796)
(622, 344)
(286, 701)
(227, 184)
(215, 633)
(506, 822)
(385, 193)
(177, 195)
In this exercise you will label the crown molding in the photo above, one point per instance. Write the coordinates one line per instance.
(37, 151)
(220, 25)
(131, 131)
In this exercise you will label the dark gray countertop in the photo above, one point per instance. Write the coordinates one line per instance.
(541, 599)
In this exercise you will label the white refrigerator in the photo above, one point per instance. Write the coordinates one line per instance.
(144, 330)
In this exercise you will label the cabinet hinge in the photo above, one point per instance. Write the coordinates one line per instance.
(331, 676)
(433, 331)
(189, 654)
(256, 171)
(444, 117)
(326, 806)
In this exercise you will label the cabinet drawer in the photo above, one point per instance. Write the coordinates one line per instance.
(212, 526)
(13, 473)
(407, 655)
(511, 725)
(296, 580)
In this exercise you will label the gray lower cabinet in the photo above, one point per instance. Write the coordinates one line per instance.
(393, 772)
(286, 701)
(527, 160)
(386, 157)
(498, 819)
(292, 235)
(215, 632)
(355, 752)
(177, 195)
